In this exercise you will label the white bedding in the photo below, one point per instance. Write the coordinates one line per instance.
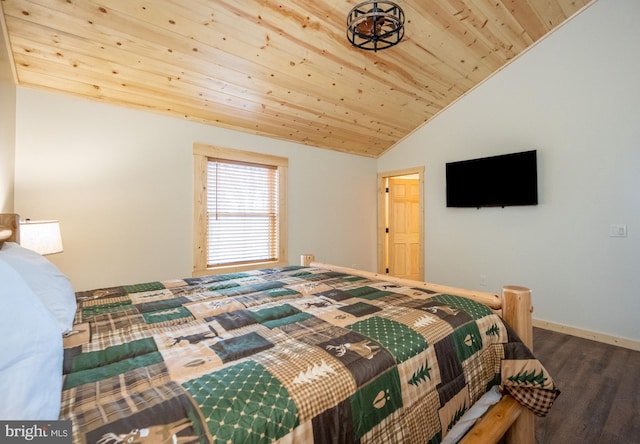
(31, 354)
(471, 416)
(46, 281)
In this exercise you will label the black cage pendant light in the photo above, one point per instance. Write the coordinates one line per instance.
(375, 25)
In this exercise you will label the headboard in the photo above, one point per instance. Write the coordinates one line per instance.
(9, 225)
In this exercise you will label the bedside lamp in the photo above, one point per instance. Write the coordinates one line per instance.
(41, 236)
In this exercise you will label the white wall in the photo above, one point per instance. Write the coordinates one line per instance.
(121, 183)
(575, 98)
(7, 129)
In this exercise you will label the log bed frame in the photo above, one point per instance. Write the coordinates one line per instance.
(507, 418)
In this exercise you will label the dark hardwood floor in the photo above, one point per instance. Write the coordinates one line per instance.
(600, 385)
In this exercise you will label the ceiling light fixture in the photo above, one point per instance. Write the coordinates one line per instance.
(375, 25)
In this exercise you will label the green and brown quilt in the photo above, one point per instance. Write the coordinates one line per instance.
(287, 355)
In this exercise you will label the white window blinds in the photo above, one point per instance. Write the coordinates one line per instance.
(242, 212)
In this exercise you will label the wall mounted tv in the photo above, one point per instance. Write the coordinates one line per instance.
(496, 181)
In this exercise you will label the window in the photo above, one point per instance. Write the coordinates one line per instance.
(240, 210)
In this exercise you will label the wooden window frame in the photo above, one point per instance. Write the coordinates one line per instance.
(202, 153)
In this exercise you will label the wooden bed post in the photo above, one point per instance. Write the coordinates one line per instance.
(9, 228)
(306, 259)
(517, 312)
(509, 419)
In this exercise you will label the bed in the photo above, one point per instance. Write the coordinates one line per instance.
(304, 353)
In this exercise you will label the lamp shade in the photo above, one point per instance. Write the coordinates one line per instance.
(41, 236)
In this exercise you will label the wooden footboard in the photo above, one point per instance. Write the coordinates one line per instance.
(507, 418)
(497, 422)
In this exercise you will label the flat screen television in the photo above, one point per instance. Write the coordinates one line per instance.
(496, 181)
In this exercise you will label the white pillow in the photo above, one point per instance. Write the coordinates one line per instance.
(31, 353)
(49, 284)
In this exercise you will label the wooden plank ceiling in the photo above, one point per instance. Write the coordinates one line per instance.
(281, 68)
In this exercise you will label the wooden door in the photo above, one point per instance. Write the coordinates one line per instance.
(404, 245)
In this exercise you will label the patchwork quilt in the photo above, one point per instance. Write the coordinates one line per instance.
(284, 355)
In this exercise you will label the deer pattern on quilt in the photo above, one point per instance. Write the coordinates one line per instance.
(155, 434)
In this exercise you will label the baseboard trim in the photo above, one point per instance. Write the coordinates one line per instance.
(586, 334)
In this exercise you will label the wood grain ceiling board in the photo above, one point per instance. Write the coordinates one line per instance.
(282, 69)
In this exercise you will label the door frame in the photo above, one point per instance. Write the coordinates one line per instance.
(383, 210)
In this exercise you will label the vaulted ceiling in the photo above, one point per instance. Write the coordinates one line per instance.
(280, 68)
